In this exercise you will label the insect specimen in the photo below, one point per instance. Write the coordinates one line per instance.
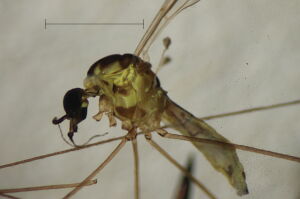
(224, 67)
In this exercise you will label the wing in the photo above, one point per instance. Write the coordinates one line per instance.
(223, 158)
(166, 13)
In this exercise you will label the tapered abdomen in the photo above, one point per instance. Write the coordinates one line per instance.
(223, 158)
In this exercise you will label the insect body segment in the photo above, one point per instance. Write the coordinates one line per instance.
(129, 89)
(223, 158)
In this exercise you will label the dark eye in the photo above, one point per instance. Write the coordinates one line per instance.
(75, 105)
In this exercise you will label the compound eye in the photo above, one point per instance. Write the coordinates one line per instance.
(75, 104)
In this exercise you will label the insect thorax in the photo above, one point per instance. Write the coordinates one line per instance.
(131, 88)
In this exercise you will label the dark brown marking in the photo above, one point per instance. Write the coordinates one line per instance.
(120, 90)
(114, 88)
(124, 61)
(229, 170)
(105, 82)
(126, 112)
(96, 87)
(144, 67)
(244, 175)
(182, 115)
(140, 112)
(128, 59)
(157, 83)
(109, 59)
(103, 63)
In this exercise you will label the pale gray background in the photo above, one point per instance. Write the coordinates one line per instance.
(212, 42)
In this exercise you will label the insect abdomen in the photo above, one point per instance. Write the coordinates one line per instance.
(223, 158)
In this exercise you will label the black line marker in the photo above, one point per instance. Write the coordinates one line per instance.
(92, 23)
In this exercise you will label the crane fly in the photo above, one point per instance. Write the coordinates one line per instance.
(128, 64)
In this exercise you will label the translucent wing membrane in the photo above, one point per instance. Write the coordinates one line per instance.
(223, 158)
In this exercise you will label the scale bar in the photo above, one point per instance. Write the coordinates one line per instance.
(92, 24)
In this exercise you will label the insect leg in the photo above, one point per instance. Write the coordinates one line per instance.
(180, 167)
(98, 169)
(8, 196)
(43, 188)
(105, 106)
(166, 134)
(136, 169)
(255, 109)
(59, 152)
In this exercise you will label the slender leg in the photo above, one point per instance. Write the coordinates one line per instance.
(112, 119)
(136, 169)
(105, 106)
(166, 134)
(47, 187)
(98, 169)
(98, 116)
(173, 161)
(8, 196)
(60, 152)
(261, 108)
